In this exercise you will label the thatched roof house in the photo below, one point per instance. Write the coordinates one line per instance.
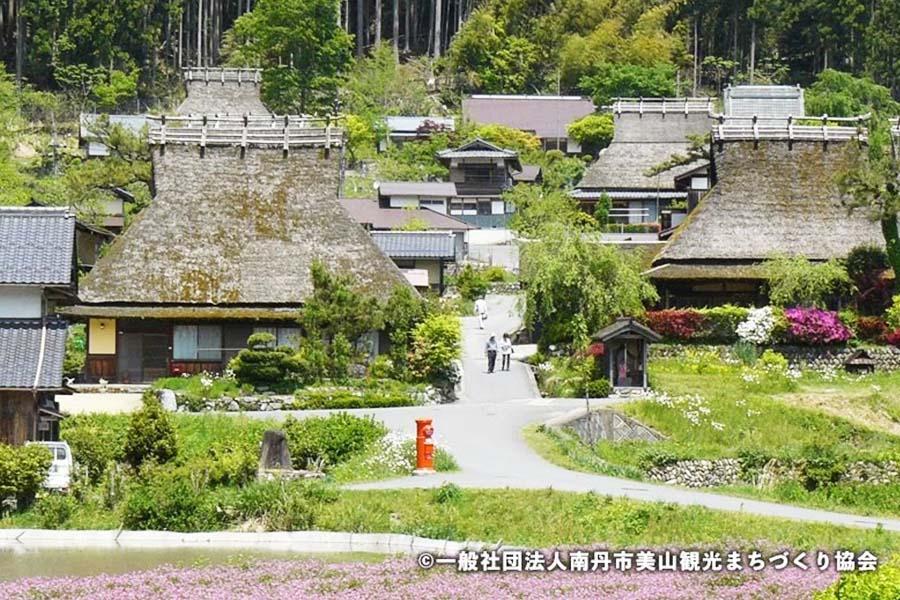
(648, 133)
(225, 247)
(764, 101)
(774, 193)
(222, 91)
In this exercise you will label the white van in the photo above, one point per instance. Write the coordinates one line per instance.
(59, 477)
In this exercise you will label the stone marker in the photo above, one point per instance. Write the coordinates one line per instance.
(167, 400)
(274, 453)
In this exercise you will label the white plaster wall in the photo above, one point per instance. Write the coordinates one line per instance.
(20, 302)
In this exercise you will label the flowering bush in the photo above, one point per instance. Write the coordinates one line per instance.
(815, 326)
(675, 324)
(759, 326)
(893, 338)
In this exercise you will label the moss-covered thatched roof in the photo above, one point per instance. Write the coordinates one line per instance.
(241, 231)
(222, 91)
(772, 198)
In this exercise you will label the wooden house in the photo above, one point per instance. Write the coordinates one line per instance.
(547, 117)
(242, 210)
(648, 134)
(37, 273)
(423, 256)
(773, 192)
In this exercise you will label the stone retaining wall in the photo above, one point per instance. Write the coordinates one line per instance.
(887, 358)
(610, 425)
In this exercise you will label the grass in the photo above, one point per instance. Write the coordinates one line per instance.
(546, 518)
(202, 386)
(725, 416)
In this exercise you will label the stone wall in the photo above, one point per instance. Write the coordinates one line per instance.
(609, 425)
(698, 473)
(887, 358)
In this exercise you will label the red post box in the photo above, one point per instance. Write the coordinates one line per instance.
(424, 447)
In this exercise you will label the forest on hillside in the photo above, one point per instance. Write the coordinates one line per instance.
(132, 50)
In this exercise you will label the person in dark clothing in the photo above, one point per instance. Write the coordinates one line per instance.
(491, 350)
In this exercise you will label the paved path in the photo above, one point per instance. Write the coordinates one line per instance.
(499, 386)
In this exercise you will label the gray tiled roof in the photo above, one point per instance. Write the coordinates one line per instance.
(36, 245)
(367, 212)
(479, 148)
(20, 354)
(764, 101)
(546, 116)
(415, 244)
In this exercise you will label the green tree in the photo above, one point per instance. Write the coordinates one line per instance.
(150, 435)
(378, 86)
(795, 281)
(303, 50)
(403, 312)
(626, 80)
(336, 307)
(575, 285)
(871, 185)
(593, 132)
(436, 343)
(538, 208)
(839, 94)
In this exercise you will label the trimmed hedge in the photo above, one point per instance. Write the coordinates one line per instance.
(710, 325)
(344, 398)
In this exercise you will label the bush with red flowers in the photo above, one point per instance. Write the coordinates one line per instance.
(815, 326)
(675, 324)
(893, 338)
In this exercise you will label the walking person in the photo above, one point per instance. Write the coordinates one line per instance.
(491, 350)
(506, 350)
(481, 311)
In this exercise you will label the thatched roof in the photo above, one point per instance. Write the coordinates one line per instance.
(764, 101)
(222, 91)
(641, 142)
(240, 231)
(772, 197)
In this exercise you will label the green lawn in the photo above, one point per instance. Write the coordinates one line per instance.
(712, 412)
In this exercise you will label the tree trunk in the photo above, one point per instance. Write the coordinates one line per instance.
(395, 33)
(696, 58)
(406, 27)
(359, 28)
(752, 49)
(438, 13)
(20, 46)
(378, 11)
(199, 33)
(414, 20)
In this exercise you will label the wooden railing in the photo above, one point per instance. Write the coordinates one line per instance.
(246, 131)
(663, 105)
(819, 129)
(221, 75)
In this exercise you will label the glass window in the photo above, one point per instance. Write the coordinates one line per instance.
(288, 336)
(184, 342)
(209, 342)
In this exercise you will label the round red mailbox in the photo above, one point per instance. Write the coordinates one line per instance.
(424, 447)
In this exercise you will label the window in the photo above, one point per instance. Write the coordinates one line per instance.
(284, 336)
(197, 342)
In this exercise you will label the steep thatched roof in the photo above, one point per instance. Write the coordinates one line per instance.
(237, 230)
(222, 91)
(641, 142)
(772, 197)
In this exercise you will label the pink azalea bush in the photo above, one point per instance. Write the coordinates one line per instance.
(401, 578)
(815, 326)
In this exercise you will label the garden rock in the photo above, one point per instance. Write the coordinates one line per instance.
(168, 400)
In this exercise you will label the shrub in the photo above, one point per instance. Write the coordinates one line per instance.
(870, 328)
(759, 326)
(333, 439)
(675, 324)
(883, 583)
(171, 499)
(598, 388)
(263, 365)
(22, 471)
(892, 316)
(284, 505)
(797, 281)
(815, 326)
(96, 441)
(893, 338)
(471, 282)
(53, 510)
(382, 367)
(150, 435)
(447, 493)
(76, 351)
(720, 323)
(344, 398)
(595, 132)
(436, 344)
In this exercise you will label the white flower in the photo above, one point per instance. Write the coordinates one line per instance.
(758, 326)
(717, 426)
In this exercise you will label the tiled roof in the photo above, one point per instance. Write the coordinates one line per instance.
(443, 189)
(416, 244)
(546, 116)
(479, 148)
(21, 343)
(367, 212)
(413, 124)
(36, 245)
(764, 101)
(628, 194)
(528, 174)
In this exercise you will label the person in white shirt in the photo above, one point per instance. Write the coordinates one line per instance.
(506, 350)
(481, 311)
